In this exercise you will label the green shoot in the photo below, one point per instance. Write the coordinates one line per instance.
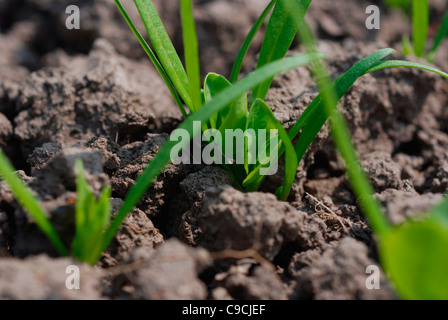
(218, 103)
(191, 52)
(420, 24)
(91, 220)
(28, 201)
(280, 33)
(420, 27)
(223, 105)
(407, 46)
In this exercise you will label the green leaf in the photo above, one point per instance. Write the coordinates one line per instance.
(420, 25)
(28, 201)
(281, 31)
(399, 63)
(191, 52)
(415, 257)
(248, 41)
(92, 218)
(234, 116)
(440, 213)
(165, 49)
(153, 58)
(262, 117)
(441, 34)
(220, 101)
(415, 254)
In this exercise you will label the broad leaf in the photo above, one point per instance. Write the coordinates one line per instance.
(415, 257)
(261, 117)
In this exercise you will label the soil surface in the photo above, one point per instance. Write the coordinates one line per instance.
(92, 94)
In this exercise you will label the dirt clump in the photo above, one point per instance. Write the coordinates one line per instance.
(137, 231)
(400, 205)
(150, 279)
(43, 278)
(243, 221)
(340, 273)
(244, 281)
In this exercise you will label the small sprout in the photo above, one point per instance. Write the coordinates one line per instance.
(420, 27)
(92, 219)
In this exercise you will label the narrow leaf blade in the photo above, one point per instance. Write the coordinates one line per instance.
(420, 25)
(191, 52)
(29, 202)
(441, 34)
(281, 31)
(152, 57)
(164, 49)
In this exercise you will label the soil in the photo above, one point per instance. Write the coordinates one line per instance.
(92, 94)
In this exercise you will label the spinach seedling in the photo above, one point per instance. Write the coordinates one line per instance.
(240, 114)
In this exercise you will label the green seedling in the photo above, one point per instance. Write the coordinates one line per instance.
(396, 244)
(185, 84)
(92, 216)
(91, 220)
(420, 27)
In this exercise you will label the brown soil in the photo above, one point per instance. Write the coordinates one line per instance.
(93, 94)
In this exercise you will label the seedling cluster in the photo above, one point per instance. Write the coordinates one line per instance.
(416, 246)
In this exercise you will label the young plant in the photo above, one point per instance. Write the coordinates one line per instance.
(91, 219)
(29, 202)
(420, 27)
